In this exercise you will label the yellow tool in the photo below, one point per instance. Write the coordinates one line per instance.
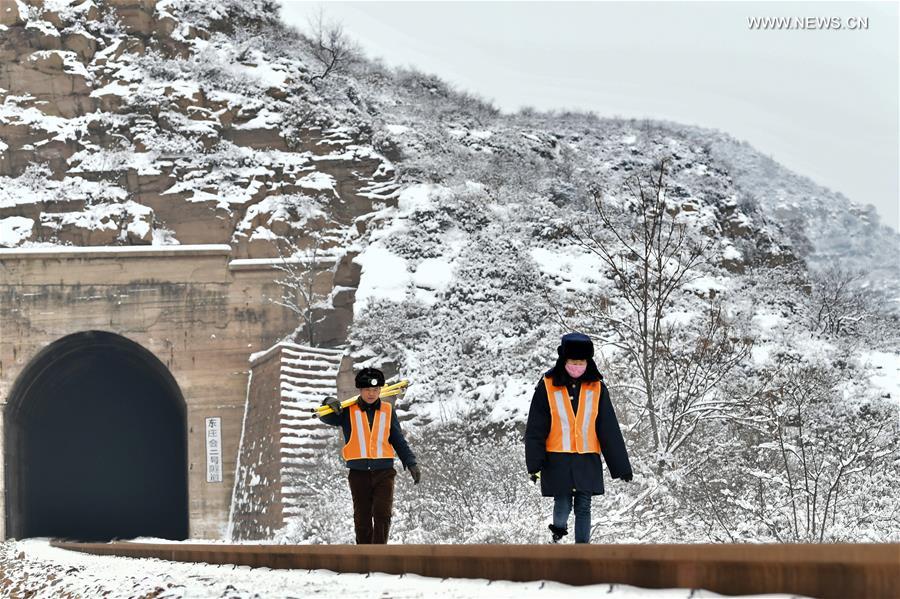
(386, 391)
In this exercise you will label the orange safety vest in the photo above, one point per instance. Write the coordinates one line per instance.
(369, 443)
(571, 433)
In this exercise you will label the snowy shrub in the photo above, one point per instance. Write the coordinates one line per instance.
(456, 210)
(223, 15)
(473, 478)
(212, 67)
(795, 465)
(327, 516)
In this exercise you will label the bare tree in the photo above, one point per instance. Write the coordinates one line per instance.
(811, 443)
(652, 254)
(331, 47)
(694, 373)
(301, 267)
(838, 305)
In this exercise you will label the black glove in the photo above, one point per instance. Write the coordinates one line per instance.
(334, 403)
(626, 477)
(415, 473)
(534, 476)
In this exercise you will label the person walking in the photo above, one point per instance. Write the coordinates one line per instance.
(372, 438)
(572, 422)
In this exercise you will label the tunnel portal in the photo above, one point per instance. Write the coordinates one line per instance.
(96, 444)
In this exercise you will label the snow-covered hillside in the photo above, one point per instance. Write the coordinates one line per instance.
(177, 121)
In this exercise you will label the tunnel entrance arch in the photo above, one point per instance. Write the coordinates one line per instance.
(95, 443)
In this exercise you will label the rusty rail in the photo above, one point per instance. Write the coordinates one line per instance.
(840, 571)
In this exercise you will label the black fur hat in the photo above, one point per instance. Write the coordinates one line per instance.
(369, 377)
(576, 346)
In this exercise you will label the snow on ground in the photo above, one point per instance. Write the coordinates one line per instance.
(678, 317)
(885, 371)
(15, 191)
(384, 276)
(33, 568)
(767, 322)
(434, 273)
(14, 229)
(512, 399)
(704, 285)
(415, 197)
(396, 129)
(318, 181)
(432, 276)
(580, 270)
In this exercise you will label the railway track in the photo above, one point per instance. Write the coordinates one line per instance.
(839, 571)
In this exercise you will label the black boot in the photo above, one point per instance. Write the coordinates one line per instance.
(557, 533)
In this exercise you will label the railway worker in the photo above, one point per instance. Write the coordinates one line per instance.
(372, 438)
(570, 423)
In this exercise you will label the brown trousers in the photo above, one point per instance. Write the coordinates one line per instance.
(373, 500)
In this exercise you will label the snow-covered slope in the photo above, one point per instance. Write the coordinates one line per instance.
(178, 121)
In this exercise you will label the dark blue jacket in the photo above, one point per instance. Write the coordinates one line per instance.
(563, 472)
(396, 438)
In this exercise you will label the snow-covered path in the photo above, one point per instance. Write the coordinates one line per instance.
(33, 569)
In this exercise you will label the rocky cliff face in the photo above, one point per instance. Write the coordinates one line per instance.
(138, 122)
(133, 122)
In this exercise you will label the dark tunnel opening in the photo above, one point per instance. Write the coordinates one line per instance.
(96, 444)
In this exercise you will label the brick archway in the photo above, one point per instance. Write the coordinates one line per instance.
(96, 443)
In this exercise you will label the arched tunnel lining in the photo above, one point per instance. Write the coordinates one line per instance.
(96, 448)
